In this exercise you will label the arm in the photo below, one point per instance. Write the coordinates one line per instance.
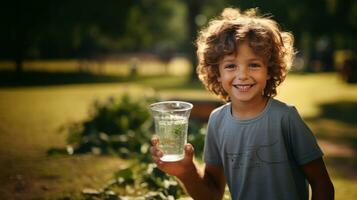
(317, 175)
(209, 184)
(206, 184)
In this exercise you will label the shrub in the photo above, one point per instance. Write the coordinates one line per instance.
(120, 126)
(124, 127)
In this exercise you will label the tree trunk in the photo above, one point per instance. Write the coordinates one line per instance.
(20, 38)
(19, 65)
(194, 8)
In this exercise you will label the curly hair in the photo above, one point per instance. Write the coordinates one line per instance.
(222, 37)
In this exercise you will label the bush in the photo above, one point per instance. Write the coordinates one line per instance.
(125, 127)
(119, 126)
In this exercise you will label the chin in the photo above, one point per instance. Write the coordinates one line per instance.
(245, 98)
(242, 99)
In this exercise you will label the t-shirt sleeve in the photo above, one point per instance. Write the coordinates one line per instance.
(301, 140)
(211, 151)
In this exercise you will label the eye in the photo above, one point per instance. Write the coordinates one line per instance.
(230, 66)
(254, 65)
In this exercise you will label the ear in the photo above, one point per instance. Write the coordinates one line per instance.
(219, 79)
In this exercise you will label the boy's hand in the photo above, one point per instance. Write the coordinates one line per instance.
(179, 168)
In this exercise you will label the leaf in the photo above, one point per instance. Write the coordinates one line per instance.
(126, 174)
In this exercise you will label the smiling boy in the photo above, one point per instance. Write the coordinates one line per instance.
(256, 144)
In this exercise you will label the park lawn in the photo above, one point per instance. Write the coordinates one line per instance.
(31, 116)
(30, 119)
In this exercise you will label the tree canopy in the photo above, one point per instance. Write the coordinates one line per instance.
(71, 29)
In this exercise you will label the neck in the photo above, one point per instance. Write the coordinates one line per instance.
(248, 110)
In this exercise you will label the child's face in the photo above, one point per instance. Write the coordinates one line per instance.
(243, 75)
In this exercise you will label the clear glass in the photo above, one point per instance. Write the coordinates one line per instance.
(171, 124)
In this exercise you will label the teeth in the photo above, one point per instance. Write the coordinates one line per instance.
(243, 87)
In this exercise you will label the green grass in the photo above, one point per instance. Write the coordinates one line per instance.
(30, 116)
(29, 122)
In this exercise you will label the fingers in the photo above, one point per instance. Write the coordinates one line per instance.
(189, 151)
(155, 141)
(157, 158)
(156, 153)
(157, 161)
(154, 149)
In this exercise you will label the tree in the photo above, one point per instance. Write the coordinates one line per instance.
(63, 29)
(21, 20)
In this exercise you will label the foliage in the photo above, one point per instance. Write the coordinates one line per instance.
(41, 29)
(91, 30)
(115, 126)
(138, 179)
(124, 127)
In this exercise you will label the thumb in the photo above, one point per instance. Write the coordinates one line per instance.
(189, 151)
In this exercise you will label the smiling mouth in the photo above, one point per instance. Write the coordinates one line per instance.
(243, 87)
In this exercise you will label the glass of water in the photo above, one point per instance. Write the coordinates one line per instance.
(171, 124)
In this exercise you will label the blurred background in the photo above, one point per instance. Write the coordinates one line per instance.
(76, 78)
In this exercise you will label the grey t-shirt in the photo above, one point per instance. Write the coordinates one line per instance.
(261, 157)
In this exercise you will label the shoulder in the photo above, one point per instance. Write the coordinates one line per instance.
(219, 113)
(280, 107)
(287, 113)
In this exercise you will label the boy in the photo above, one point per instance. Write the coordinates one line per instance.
(259, 146)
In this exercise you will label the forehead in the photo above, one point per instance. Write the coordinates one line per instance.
(243, 51)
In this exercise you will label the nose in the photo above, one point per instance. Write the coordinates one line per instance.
(242, 73)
